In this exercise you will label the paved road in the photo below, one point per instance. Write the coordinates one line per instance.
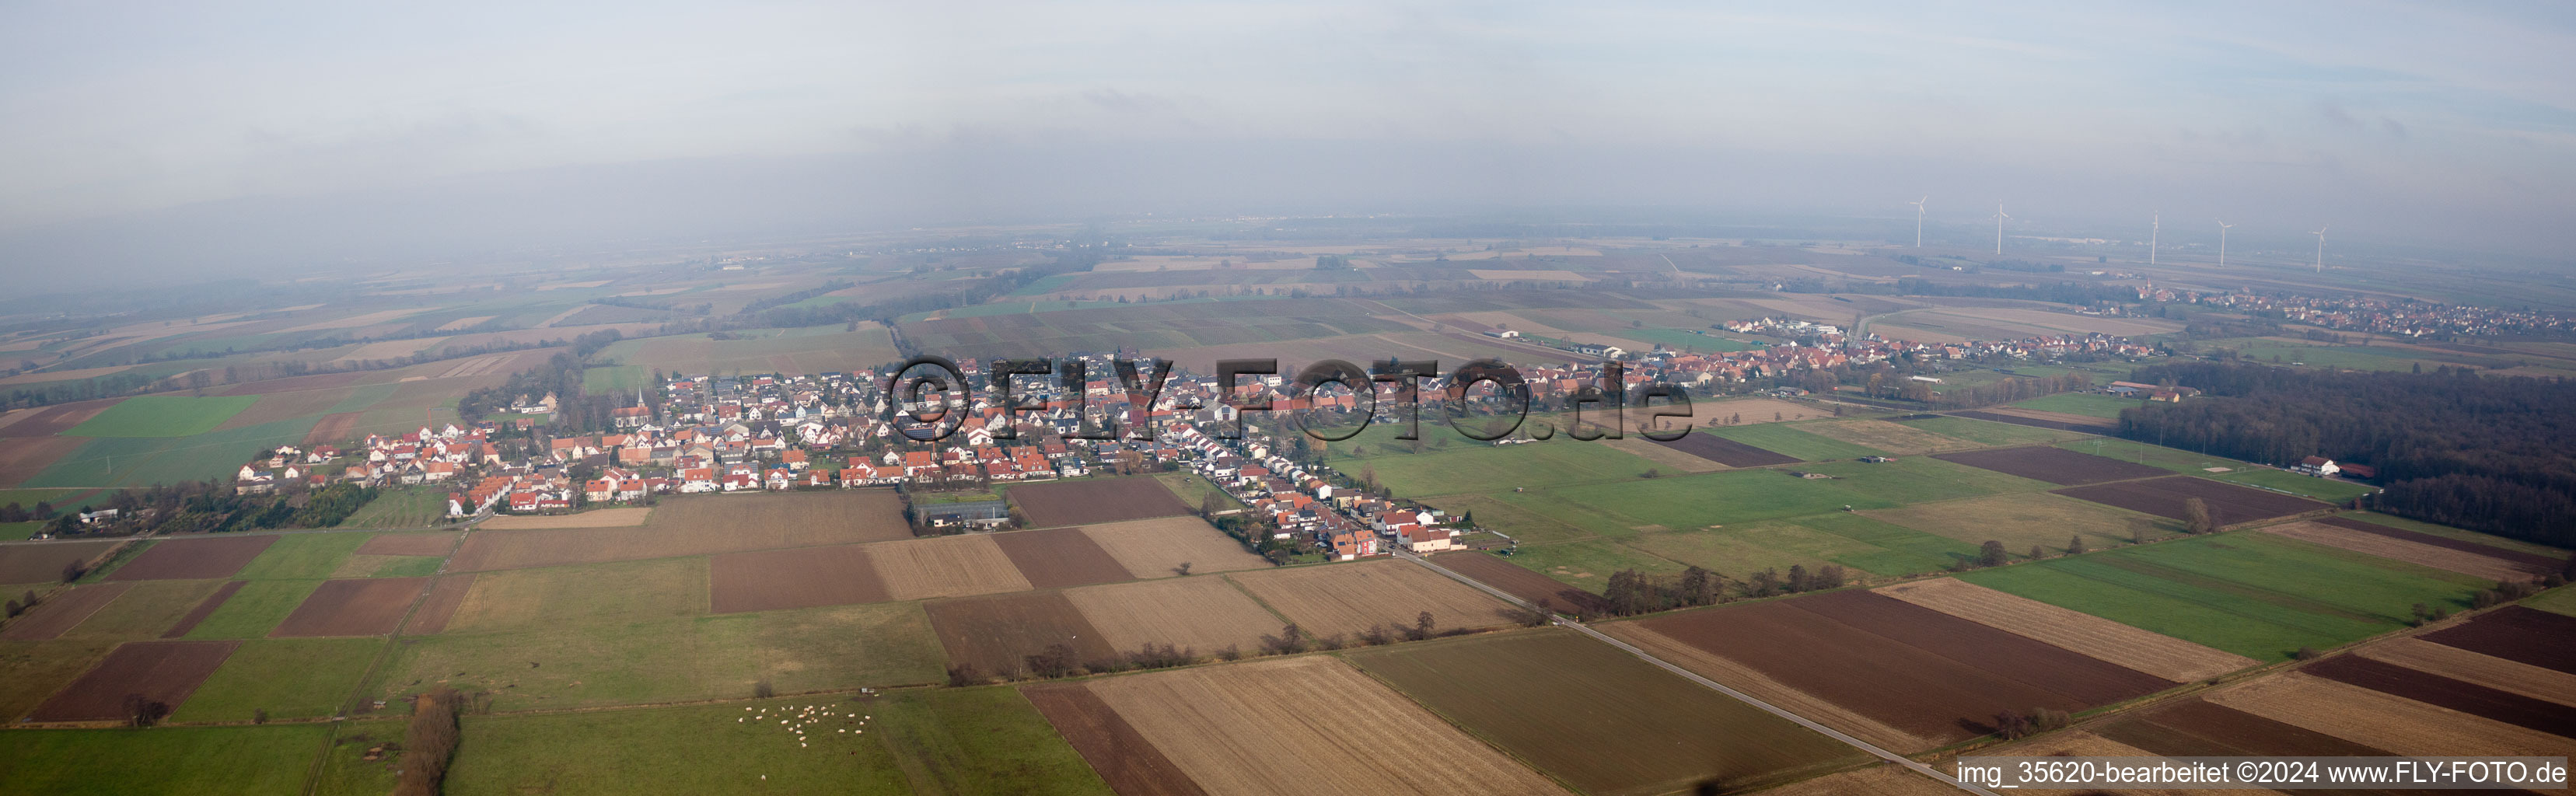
(1865, 746)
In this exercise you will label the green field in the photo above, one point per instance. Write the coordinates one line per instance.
(812, 349)
(162, 416)
(1787, 440)
(957, 741)
(811, 649)
(615, 379)
(1991, 433)
(291, 678)
(401, 507)
(2252, 594)
(195, 760)
(584, 596)
(2189, 463)
(1623, 508)
(12, 531)
(302, 556)
(120, 461)
(1191, 489)
(2079, 403)
(2561, 600)
(144, 611)
(254, 610)
(2022, 520)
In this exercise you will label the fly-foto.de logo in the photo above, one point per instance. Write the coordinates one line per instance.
(932, 397)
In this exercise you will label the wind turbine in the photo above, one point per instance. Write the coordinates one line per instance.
(2321, 249)
(2222, 242)
(1999, 227)
(2158, 220)
(1918, 220)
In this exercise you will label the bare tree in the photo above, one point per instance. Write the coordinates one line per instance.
(430, 743)
(2195, 516)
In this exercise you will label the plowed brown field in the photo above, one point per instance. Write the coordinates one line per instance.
(1060, 557)
(2516, 633)
(2165, 497)
(997, 633)
(806, 577)
(699, 525)
(165, 671)
(2054, 465)
(43, 563)
(1518, 582)
(441, 603)
(368, 607)
(1059, 503)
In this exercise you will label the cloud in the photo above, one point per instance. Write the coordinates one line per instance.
(2392, 127)
(2333, 112)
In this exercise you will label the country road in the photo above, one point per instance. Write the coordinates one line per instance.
(1865, 746)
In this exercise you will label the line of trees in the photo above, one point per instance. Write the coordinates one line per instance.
(1630, 592)
(2488, 454)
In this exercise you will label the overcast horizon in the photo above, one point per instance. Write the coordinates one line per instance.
(194, 138)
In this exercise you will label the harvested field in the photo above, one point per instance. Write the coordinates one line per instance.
(2161, 656)
(43, 563)
(1660, 454)
(1259, 727)
(163, 671)
(2459, 664)
(1895, 438)
(688, 526)
(1121, 755)
(2035, 418)
(1348, 598)
(2054, 465)
(1765, 410)
(2384, 721)
(599, 518)
(996, 634)
(51, 420)
(1059, 557)
(1600, 719)
(440, 605)
(24, 458)
(1201, 614)
(769, 580)
(63, 612)
(194, 559)
(2447, 692)
(1155, 548)
(1085, 502)
(2516, 633)
(1518, 582)
(1726, 451)
(333, 427)
(2194, 727)
(2533, 562)
(948, 566)
(408, 544)
(370, 607)
(204, 608)
(2398, 549)
(2228, 504)
(1878, 780)
(1929, 698)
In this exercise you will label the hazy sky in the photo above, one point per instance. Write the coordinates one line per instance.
(2442, 123)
